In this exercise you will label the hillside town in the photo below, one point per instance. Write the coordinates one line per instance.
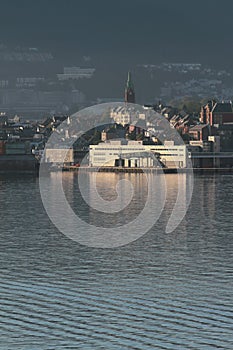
(207, 137)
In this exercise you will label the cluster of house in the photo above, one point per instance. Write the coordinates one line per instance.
(22, 143)
(179, 80)
(201, 87)
(215, 122)
(132, 139)
(204, 138)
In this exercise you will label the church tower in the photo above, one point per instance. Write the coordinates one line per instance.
(129, 90)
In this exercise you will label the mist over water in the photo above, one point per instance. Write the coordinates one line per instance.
(165, 291)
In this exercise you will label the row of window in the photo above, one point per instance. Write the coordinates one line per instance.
(99, 159)
(171, 155)
(162, 154)
(167, 149)
(119, 149)
(136, 149)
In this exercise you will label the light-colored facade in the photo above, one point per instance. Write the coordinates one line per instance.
(59, 155)
(126, 114)
(135, 154)
(28, 81)
(172, 156)
(76, 73)
(121, 115)
(4, 83)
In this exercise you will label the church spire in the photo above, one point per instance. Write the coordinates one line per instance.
(129, 90)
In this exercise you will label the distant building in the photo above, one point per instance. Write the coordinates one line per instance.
(215, 143)
(125, 114)
(59, 155)
(215, 113)
(4, 84)
(32, 55)
(121, 115)
(129, 90)
(29, 101)
(75, 73)
(28, 82)
(135, 154)
(3, 119)
(171, 155)
(106, 135)
(200, 132)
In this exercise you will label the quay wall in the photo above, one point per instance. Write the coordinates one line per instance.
(18, 164)
(151, 170)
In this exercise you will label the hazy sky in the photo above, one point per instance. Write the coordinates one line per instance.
(140, 30)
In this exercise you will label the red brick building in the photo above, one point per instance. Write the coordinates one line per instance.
(217, 113)
(200, 132)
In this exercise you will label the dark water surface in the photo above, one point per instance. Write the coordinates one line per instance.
(163, 291)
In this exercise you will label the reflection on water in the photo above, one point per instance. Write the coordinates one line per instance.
(104, 223)
(163, 291)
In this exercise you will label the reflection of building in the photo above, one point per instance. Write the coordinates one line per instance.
(109, 204)
(135, 154)
(206, 189)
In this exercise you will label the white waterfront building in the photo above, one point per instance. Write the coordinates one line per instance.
(135, 154)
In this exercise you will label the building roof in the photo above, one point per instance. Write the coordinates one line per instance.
(198, 127)
(129, 83)
(224, 107)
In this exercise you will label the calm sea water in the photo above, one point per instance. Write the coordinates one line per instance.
(163, 291)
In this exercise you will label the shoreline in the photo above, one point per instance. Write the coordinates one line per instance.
(150, 170)
(35, 170)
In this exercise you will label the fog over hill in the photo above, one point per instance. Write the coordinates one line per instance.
(115, 36)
